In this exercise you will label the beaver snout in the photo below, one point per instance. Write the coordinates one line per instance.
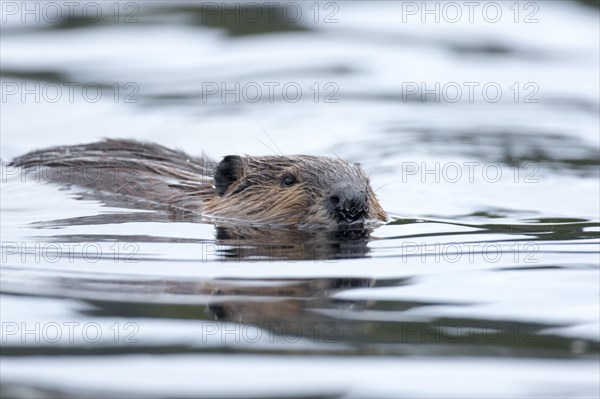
(349, 205)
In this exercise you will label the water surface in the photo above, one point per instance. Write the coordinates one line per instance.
(484, 283)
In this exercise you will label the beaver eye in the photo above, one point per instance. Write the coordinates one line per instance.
(288, 181)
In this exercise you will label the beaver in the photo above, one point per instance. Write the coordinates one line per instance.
(295, 190)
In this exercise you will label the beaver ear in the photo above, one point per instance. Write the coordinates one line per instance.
(228, 170)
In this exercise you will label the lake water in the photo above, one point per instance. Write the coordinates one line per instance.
(479, 131)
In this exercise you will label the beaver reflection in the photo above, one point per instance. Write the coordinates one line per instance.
(236, 243)
(303, 308)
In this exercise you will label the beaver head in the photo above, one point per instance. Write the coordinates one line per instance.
(293, 190)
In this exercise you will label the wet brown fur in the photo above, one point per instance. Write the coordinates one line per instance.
(246, 188)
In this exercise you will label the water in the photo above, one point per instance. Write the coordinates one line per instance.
(484, 283)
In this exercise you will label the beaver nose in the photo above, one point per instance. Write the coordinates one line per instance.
(349, 205)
